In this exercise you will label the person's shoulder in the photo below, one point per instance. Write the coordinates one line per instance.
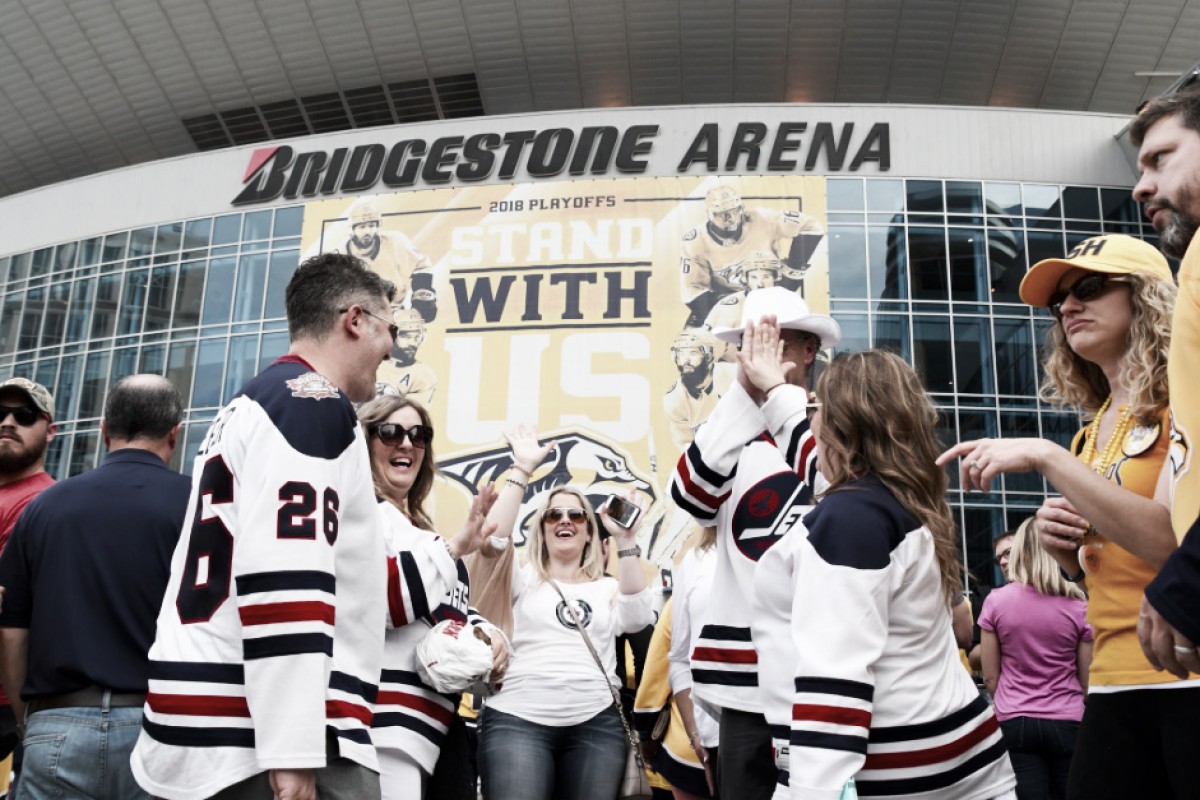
(859, 525)
(305, 407)
(1001, 596)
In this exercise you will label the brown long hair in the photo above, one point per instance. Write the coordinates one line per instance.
(876, 417)
(374, 413)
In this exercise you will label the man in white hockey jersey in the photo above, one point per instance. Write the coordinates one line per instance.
(712, 252)
(755, 446)
(266, 664)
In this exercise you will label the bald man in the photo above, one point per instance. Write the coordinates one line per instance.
(84, 572)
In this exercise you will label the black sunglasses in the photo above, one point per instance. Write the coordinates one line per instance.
(22, 415)
(555, 514)
(1086, 288)
(393, 328)
(392, 433)
(1003, 555)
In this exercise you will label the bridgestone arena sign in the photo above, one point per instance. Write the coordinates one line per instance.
(751, 147)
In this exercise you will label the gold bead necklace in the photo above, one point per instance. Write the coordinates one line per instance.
(1116, 439)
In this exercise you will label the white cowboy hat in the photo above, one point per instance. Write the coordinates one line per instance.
(789, 309)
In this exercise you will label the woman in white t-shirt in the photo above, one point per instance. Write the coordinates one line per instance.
(552, 730)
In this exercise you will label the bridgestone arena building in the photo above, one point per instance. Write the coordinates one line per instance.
(555, 269)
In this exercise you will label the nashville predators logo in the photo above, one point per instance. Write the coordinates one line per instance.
(312, 384)
(594, 465)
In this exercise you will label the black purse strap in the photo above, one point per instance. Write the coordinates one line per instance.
(630, 733)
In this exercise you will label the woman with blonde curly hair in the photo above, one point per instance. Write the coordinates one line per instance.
(858, 664)
(1112, 297)
(1037, 647)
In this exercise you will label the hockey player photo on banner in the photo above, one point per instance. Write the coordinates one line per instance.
(584, 307)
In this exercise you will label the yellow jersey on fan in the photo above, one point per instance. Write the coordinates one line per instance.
(1185, 403)
(1115, 577)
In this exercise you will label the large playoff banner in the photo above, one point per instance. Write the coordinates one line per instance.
(583, 308)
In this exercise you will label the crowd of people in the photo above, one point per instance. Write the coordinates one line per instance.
(256, 631)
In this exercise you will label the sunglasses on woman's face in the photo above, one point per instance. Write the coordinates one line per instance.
(1086, 288)
(555, 514)
(392, 433)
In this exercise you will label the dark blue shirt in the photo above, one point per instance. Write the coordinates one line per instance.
(86, 569)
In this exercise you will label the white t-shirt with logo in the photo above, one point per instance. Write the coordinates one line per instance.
(553, 679)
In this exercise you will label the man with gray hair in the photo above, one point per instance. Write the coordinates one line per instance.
(84, 574)
(1167, 133)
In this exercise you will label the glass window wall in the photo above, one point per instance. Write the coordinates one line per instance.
(926, 268)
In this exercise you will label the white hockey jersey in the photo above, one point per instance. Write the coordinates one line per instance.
(270, 637)
(749, 472)
(860, 673)
(425, 587)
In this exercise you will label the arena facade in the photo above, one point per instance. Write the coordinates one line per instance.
(549, 267)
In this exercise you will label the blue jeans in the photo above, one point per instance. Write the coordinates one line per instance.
(1041, 751)
(80, 752)
(521, 760)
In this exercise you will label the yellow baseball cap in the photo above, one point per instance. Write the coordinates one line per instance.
(1115, 253)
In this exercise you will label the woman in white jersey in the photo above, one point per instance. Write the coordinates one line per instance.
(552, 731)
(858, 664)
(414, 726)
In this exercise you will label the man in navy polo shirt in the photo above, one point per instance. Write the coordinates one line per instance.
(84, 574)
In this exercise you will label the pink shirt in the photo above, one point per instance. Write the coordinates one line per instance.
(1039, 636)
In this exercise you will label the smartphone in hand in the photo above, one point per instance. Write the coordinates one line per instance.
(623, 512)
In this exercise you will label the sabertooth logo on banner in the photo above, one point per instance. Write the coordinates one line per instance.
(590, 464)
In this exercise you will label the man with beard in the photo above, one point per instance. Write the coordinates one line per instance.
(26, 428)
(701, 383)
(402, 374)
(1167, 131)
(393, 256)
(711, 253)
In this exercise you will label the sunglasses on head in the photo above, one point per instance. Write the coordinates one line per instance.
(555, 514)
(1086, 288)
(22, 415)
(392, 433)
